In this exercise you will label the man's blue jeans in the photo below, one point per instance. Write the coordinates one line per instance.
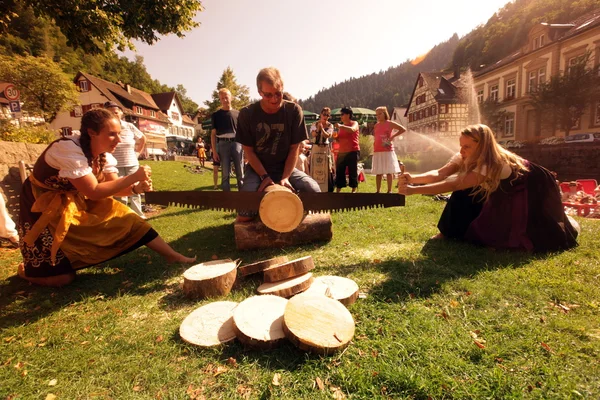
(230, 151)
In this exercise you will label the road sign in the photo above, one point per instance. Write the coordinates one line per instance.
(15, 106)
(11, 93)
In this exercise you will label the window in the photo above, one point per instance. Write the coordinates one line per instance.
(541, 40)
(480, 96)
(138, 110)
(152, 113)
(84, 86)
(541, 75)
(95, 105)
(433, 109)
(535, 43)
(175, 115)
(511, 88)
(597, 118)
(77, 111)
(574, 61)
(494, 93)
(509, 125)
(532, 81)
(427, 112)
(443, 126)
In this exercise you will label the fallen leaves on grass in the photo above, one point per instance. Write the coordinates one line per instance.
(276, 378)
(232, 362)
(319, 383)
(337, 393)
(195, 393)
(546, 347)
(159, 339)
(52, 382)
(478, 344)
(51, 396)
(244, 391)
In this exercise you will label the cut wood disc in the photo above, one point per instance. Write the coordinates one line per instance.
(257, 321)
(209, 325)
(288, 287)
(260, 266)
(280, 209)
(210, 279)
(289, 269)
(317, 323)
(339, 288)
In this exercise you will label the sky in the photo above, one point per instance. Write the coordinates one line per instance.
(314, 43)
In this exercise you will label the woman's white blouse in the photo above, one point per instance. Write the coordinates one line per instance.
(457, 159)
(67, 157)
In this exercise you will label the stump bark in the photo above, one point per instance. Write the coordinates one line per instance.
(260, 266)
(288, 270)
(209, 279)
(257, 321)
(255, 235)
(288, 287)
(209, 325)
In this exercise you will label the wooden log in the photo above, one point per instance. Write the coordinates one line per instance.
(260, 266)
(280, 209)
(289, 269)
(339, 288)
(209, 279)
(257, 321)
(209, 325)
(288, 287)
(255, 235)
(317, 323)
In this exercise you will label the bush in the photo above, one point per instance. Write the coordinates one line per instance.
(366, 147)
(411, 163)
(40, 134)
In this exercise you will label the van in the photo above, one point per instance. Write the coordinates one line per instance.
(583, 137)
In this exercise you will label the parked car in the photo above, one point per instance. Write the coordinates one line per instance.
(583, 137)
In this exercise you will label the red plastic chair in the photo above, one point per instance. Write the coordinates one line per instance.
(587, 185)
(564, 186)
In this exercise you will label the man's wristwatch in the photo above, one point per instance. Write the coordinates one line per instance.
(263, 177)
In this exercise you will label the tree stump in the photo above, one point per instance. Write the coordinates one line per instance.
(317, 323)
(260, 266)
(336, 287)
(209, 279)
(280, 209)
(255, 235)
(209, 325)
(257, 321)
(288, 270)
(288, 287)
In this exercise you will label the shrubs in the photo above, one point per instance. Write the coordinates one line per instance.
(366, 147)
(40, 134)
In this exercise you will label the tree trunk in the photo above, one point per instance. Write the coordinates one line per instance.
(289, 269)
(209, 325)
(288, 287)
(280, 209)
(257, 321)
(209, 279)
(260, 266)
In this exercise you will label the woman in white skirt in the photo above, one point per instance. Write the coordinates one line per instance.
(384, 156)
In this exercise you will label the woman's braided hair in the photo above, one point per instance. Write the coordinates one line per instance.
(95, 120)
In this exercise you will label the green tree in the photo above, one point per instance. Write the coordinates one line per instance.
(240, 94)
(98, 26)
(492, 115)
(45, 89)
(189, 106)
(565, 97)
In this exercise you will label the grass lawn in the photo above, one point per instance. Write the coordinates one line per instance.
(440, 320)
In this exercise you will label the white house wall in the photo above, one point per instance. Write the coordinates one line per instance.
(64, 118)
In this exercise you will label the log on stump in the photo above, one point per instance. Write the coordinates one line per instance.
(288, 287)
(255, 235)
(209, 279)
(288, 270)
(336, 287)
(209, 325)
(260, 266)
(280, 209)
(257, 321)
(317, 323)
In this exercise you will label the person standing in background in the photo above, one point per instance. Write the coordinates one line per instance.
(225, 148)
(127, 152)
(348, 134)
(385, 161)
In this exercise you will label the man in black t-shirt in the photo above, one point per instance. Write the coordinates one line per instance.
(222, 138)
(270, 132)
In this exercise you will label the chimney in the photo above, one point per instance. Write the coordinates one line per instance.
(128, 88)
(456, 71)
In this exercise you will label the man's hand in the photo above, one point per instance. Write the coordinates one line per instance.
(266, 182)
(287, 184)
(216, 157)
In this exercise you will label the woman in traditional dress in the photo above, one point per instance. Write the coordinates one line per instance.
(201, 151)
(498, 199)
(68, 217)
(349, 151)
(384, 156)
(321, 160)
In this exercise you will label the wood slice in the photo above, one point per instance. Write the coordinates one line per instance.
(209, 279)
(257, 321)
(289, 269)
(336, 287)
(255, 235)
(288, 287)
(209, 325)
(260, 266)
(317, 323)
(280, 209)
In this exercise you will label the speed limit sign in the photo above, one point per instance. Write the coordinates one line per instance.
(11, 93)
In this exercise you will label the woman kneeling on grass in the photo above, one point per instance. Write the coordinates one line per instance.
(498, 199)
(68, 218)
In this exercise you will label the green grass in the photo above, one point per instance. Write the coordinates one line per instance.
(113, 333)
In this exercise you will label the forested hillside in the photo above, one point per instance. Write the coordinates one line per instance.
(28, 35)
(505, 32)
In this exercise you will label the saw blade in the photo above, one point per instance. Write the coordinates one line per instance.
(213, 200)
(325, 202)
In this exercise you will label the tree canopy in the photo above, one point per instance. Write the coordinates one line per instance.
(98, 26)
(240, 94)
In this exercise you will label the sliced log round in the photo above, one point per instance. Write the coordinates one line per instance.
(317, 323)
(288, 287)
(339, 288)
(289, 269)
(209, 325)
(280, 209)
(257, 321)
(209, 279)
(260, 266)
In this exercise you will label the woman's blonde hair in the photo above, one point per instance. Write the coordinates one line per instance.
(491, 156)
(385, 112)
